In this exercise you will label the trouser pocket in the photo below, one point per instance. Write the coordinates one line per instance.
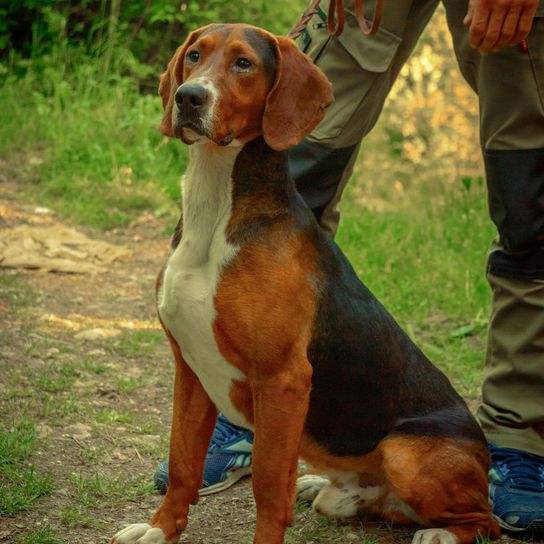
(353, 62)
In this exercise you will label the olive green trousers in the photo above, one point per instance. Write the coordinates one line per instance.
(510, 87)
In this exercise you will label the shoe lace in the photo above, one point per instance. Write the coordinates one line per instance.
(523, 470)
(224, 431)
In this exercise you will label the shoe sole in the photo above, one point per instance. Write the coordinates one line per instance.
(537, 526)
(230, 480)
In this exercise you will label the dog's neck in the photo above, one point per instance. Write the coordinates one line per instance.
(207, 183)
(227, 189)
(207, 197)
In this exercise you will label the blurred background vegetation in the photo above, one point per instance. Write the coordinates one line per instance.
(79, 114)
(79, 106)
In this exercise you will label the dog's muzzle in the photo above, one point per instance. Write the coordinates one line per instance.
(192, 102)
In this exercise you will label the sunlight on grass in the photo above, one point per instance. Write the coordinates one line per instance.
(110, 416)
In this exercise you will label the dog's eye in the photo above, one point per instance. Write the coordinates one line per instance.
(193, 56)
(242, 64)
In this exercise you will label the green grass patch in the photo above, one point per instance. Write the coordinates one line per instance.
(99, 490)
(44, 535)
(91, 148)
(135, 344)
(109, 416)
(94, 454)
(20, 485)
(55, 378)
(127, 384)
(90, 492)
(78, 516)
(15, 292)
(312, 527)
(58, 407)
(94, 367)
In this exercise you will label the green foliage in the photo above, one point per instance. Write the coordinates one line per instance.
(71, 113)
(90, 148)
(96, 489)
(137, 36)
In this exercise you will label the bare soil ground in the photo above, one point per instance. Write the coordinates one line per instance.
(83, 358)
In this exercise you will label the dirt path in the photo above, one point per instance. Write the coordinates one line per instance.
(82, 358)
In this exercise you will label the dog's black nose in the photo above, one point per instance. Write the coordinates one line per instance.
(191, 97)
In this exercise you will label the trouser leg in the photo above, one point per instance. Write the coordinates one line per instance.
(512, 412)
(510, 86)
(362, 70)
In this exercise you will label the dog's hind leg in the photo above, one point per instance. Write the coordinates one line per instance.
(444, 482)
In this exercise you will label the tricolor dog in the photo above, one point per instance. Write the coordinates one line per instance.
(270, 325)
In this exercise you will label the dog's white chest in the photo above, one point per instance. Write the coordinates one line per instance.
(186, 298)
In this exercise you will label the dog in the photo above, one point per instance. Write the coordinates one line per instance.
(270, 325)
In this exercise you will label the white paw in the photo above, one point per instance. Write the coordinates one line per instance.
(309, 485)
(434, 536)
(341, 499)
(140, 533)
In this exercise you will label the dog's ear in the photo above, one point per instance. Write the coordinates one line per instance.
(298, 98)
(172, 79)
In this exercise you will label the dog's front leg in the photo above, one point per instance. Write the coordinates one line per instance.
(280, 408)
(193, 419)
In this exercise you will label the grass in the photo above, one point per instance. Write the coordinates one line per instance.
(310, 527)
(135, 344)
(16, 292)
(96, 489)
(91, 147)
(45, 535)
(20, 484)
(89, 493)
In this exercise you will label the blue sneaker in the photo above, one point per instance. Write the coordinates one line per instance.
(516, 489)
(228, 459)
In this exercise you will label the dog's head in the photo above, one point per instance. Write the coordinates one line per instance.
(237, 82)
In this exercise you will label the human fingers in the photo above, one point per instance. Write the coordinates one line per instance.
(494, 27)
(478, 23)
(467, 21)
(525, 22)
(509, 28)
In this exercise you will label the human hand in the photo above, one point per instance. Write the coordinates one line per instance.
(495, 24)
